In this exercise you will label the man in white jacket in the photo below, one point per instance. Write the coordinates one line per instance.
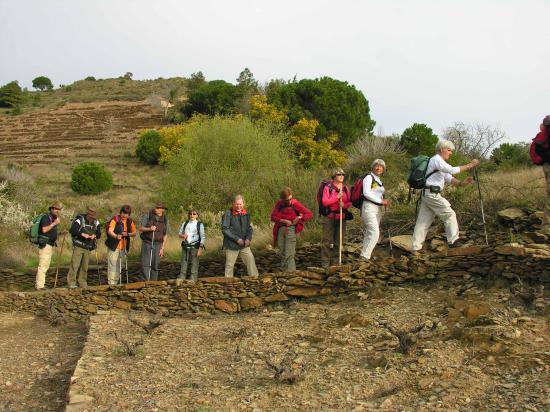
(432, 203)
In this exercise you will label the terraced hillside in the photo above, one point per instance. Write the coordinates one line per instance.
(98, 131)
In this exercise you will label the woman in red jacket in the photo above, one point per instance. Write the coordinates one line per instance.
(335, 195)
(289, 216)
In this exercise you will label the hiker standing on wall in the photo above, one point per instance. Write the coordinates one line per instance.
(237, 236)
(119, 231)
(371, 209)
(289, 216)
(47, 240)
(192, 245)
(85, 231)
(540, 154)
(154, 233)
(335, 196)
(432, 203)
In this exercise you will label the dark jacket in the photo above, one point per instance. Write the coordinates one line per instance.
(81, 225)
(112, 242)
(51, 235)
(542, 146)
(161, 222)
(235, 227)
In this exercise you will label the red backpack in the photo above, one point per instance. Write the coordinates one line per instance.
(357, 195)
(539, 142)
(323, 210)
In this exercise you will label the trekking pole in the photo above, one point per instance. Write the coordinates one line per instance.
(151, 258)
(389, 233)
(98, 271)
(120, 268)
(340, 238)
(126, 264)
(58, 259)
(476, 178)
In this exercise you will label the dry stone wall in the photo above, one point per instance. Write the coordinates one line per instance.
(231, 295)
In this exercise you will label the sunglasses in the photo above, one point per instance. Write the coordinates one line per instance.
(193, 213)
(340, 174)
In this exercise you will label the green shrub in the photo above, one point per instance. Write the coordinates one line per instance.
(214, 97)
(90, 178)
(148, 147)
(225, 156)
(90, 79)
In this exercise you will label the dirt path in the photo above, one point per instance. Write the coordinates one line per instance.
(36, 362)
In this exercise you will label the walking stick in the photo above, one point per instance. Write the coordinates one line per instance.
(151, 258)
(58, 258)
(476, 178)
(126, 264)
(340, 237)
(389, 233)
(98, 271)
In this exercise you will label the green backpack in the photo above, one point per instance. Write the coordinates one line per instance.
(33, 233)
(417, 172)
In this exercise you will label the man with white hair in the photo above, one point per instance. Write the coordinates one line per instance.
(432, 203)
(237, 236)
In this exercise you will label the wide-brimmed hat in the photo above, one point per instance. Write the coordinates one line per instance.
(56, 205)
(91, 213)
(160, 205)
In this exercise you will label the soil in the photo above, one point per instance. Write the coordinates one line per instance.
(36, 362)
(479, 349)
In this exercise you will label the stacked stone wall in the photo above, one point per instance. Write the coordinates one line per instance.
(231, 295)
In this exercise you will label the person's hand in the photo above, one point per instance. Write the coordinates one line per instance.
(474, 163)
(385, 202)
(246, 243)
(119, 237)
(199, 251)
(124, 234)
(468, 181)
(161, 252)
(153, 228)
(339, 194)
(296, 219)
(185, 236)
(286, 222)
(56, 221)
(240, 242)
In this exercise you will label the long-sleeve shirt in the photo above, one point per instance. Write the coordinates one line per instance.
(330, 200)
(373, 189)
(291, 211)
(235, 227)
(193, 235)
(444, 172)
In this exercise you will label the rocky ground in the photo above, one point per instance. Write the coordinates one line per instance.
(462, 348)
(36, 362)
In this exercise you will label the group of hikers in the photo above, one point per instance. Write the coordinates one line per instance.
(289, 215)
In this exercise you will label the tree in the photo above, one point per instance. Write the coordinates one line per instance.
(11, 95)
(247, 87)
(128, 75)
(90, 79)
(339, 107)
(474, 140)
(215, 97)
(511, 154)
(419, 139)
(195, 81)
(42, 83)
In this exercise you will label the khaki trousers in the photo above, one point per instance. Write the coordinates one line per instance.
(546, 223)
(44, 260)
(431, 205)
(79, 266)
(371, 215)
(114, 266)
(247, 258)
(331, 237)
(286, 242)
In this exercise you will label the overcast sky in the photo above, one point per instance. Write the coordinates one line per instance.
(423, 61)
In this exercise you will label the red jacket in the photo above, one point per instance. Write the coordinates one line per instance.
(330, 200)
(289, 212)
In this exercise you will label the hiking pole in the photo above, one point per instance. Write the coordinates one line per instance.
(476, 178)
(340, 237)
(120, 268)
(389, 233)
(98, 271)
(58, 259)
(126, 263)
(151, 258)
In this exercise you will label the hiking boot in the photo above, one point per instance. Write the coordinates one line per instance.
(457, 243)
